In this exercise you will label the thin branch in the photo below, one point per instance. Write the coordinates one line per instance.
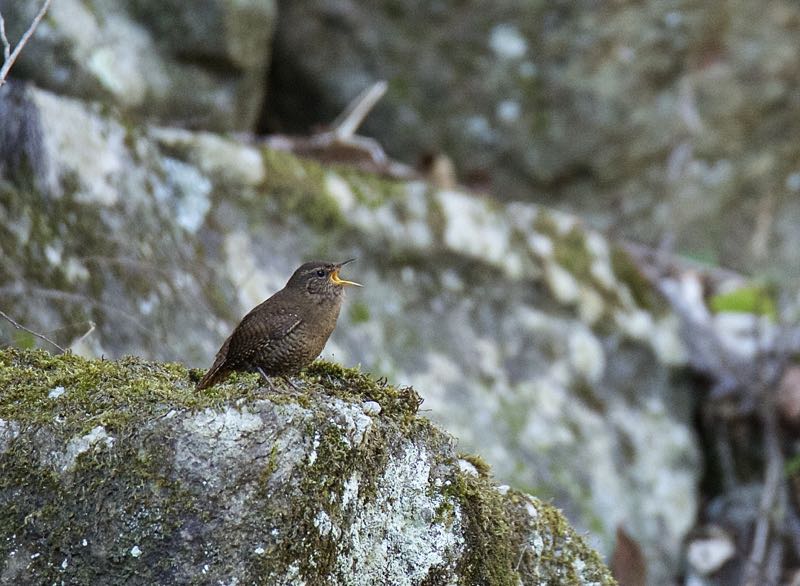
(75, 298)
(345, 126)
(92, 327)
(724, 452)
(4, 39)
(341, 144)
(343, 132)
(23, 328)
(769, 510)
(9, 61)
(774, 562)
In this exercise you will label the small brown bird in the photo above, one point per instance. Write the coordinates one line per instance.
(287, 331)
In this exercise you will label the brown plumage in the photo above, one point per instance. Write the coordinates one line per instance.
(286, 332)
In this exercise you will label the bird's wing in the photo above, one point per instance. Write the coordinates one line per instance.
(257, 330)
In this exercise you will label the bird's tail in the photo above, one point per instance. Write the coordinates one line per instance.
(218, 371)
(215, 374)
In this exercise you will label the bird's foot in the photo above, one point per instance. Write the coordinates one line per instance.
(267, 379)
(289, 382)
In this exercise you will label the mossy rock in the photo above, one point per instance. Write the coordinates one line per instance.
(119, 472)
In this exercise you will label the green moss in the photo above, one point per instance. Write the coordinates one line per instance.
(490, 543)
(641, 289)
(52, 237)
(437, 219)
(571, 253)
(351, 384)
(544, 224)
(299, 186)
(114, 394)
(370, 189)
(23, 339)
(480, 464)
(792, 466)
(321, 484)
(562, 555)
(119, 395)
(586, 393)
(55, 515)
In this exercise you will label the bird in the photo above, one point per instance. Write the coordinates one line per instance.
(285, 333)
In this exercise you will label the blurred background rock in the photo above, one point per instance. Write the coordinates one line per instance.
(139, 204)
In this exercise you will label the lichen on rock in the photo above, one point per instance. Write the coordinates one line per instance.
(128, 475)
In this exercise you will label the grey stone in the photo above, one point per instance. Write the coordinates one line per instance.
(199, 64)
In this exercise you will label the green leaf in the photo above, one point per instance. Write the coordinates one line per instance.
(754, 298)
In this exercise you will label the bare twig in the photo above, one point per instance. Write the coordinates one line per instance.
(4, 39)
(24, 329)
(341, 144)
(78, 298)
(345, 126)
(10, 58)
(92, 327)
(774, 562)
(724, 452)
(769, 513)
(525, 547)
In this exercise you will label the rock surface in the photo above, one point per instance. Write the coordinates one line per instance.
(199, 64)
(534, 339)
(660, 120)
(125, 475)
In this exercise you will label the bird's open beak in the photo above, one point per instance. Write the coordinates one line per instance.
(335, 275)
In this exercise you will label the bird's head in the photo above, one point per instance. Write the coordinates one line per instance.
(321, 278)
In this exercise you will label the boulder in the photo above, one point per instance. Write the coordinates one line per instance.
(199, 64)
(117, 472)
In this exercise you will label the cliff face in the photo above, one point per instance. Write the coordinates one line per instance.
(117, 472)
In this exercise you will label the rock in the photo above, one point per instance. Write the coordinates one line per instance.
(535, 339)
(239, 486)
(198, 65)
(657, 120)
(708, 553)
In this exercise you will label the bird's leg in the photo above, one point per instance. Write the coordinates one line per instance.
(289, 382)
(266, 379)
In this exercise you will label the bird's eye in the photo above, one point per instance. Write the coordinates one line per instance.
(321, 272)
